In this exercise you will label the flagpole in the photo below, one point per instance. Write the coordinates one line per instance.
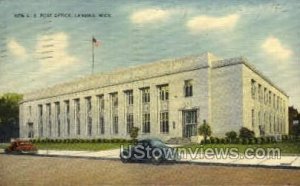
(93, 55)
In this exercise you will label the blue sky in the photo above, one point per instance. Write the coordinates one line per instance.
(138, 32)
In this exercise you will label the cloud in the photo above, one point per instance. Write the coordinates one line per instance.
(17, 49)
(204, 23)
(149, 16)
(51, 52)
(274, 47)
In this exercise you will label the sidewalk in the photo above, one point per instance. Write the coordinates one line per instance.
(283, 162)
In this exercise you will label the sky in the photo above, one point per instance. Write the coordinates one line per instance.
(52, 48)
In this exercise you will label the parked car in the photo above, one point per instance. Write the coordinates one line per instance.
(149, 150)
(21, 146)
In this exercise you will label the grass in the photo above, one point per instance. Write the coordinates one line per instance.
(75, 146)
(285, 147)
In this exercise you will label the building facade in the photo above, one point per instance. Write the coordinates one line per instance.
(165, 99)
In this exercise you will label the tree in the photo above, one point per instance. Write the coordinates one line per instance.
(245, 133)
(232, 135)
(296, 130)
(134, 132)
(204, 130)
(9, 115)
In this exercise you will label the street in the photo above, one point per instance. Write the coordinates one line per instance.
(34, 170)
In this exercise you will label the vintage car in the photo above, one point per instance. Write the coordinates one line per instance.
(149, 150)
(21, 146)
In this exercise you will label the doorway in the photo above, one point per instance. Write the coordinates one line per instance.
(189, 123)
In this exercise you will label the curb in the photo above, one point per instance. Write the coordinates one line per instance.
(178, 162)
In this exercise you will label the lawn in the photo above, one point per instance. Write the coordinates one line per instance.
(287, 148)
(75, 146)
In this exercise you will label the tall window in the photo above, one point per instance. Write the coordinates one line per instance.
(260, 93)
(114, 99)
(29, 110)
(164, 92)
(101, 124)
(77, 115)
(115, 125)
(265, 96)
(146, 123)
(188, 88)
(89, 115)
(129, 97)
(48, 111)
(114, 102)
(270, 97)
(57, 117)
(253, 88)
(40, 120)
(67, 116)
(253, 118)
(164, 122)
(145, 95)
(129, 120)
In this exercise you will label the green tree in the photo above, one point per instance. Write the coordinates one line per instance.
(205, 130)
(9, 115)
(296, 130)
(134, 132)
(245, 133)
(232, 135)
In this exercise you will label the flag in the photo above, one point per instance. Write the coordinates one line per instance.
(95, 42)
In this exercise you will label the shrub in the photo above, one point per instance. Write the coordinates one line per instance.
(212, 140)
(217, 140)
(222, 141)
(99, 140)
(245, 141)
(252, 141)
(204, 130)
(134, 132)
(245, 133)
(202, 142)
(232, 135)
(208, 141)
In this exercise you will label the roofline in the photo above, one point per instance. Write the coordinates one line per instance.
(244, 61)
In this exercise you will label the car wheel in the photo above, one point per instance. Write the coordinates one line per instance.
(123, 157)
(156, 160)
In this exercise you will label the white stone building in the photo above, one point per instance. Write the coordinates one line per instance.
(165, 99)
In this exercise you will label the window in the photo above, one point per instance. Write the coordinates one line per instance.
(270, 97)
(253, 88)
(145, 95)
(40, 120)
(253, 118)
(57, 117)
(48, 116)
(164, 92)
(164, 122)
(260, 93)
(188, 88)
(265, 96)
(89, 115)
(114, 99)
(129, 97)
(146, 123)
(129, 120)
(101, 124)
(115, 125)
(67, 116)
(77, 115)
(29, 109)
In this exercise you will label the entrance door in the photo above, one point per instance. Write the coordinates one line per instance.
(189, 123)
